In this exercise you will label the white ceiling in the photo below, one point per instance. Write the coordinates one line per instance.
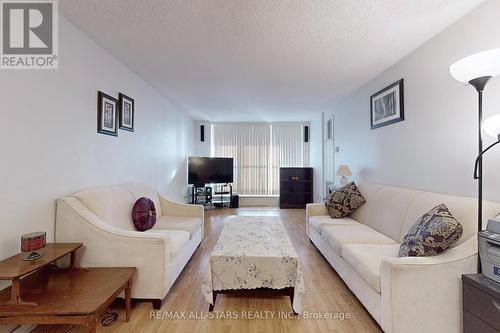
(265, 60)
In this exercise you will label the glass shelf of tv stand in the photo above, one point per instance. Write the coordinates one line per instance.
(218, 195)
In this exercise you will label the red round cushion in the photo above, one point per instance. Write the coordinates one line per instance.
(144, 214)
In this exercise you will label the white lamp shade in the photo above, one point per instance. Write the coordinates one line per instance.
(481, 64)
(492, 126)
(344, 171)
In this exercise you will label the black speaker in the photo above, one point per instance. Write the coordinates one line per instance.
(306, 133)
(202, 133)
(235, 201)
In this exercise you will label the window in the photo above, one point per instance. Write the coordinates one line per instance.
(259, 150)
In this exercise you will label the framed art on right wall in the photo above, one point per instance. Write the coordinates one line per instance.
(387, 105)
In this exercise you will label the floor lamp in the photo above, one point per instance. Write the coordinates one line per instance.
(477, 70)
(492, 127)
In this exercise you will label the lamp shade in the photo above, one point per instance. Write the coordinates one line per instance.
(492, 126)
(481, 64)
(344, 171)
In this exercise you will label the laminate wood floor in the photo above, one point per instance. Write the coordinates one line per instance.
(325, 293)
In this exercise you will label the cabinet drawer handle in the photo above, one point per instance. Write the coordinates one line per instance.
(496, 305)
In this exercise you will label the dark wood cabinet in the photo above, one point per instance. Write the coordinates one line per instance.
(296, 187)
(481, 304)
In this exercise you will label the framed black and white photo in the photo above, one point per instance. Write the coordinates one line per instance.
(107, 114)
(387, 105)
(126, 105)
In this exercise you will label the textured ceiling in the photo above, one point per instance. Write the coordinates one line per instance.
(239, 60)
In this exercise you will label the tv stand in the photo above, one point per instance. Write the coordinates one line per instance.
(206, 196)
(201, 195)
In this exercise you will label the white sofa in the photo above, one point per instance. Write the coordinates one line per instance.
(403, 295)
(101, 219)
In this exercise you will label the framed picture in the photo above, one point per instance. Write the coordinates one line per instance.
(387, 105)
(126, 105)
(107, 114)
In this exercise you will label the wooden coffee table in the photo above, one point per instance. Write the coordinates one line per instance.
(50, 295)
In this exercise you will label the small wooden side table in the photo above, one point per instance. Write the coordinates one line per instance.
(50, 295)
(14, 268)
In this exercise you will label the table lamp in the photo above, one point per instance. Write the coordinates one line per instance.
(343, 172)
(31, 243)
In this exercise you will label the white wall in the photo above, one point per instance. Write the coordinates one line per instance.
(201, 149)
(435, 147)
(48, 141)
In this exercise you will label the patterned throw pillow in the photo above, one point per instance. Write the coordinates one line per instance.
(344, 201)
(433, 233)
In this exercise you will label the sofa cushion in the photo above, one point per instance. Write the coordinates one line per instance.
(432, 234)
(144, 214)
(389, 210)
(113, 205)
(338, 235)
(365, 213)
(344, 201)
(317, 222)
(365, 259)
(177, 239)
(189, 224)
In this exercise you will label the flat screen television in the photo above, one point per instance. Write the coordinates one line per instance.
(207, 170)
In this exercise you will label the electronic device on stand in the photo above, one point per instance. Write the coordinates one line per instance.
(489, 249)
(217, 172)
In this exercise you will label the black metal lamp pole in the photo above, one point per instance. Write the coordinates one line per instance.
(479, 83)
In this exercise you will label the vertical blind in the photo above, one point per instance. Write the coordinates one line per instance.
(259, 150)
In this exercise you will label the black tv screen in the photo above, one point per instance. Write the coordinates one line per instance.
(206, 170)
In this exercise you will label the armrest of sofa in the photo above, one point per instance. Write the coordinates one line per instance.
(170, 208)
(108, 246)
(424, 293)
(314, 209)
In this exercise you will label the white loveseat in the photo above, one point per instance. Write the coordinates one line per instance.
(409, 294)
(101, 219)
